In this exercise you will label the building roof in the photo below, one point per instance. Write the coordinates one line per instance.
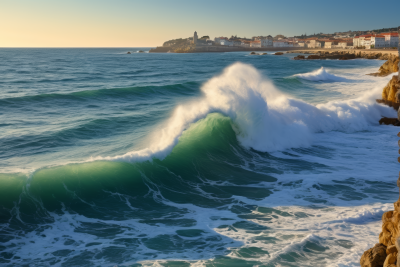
(391, 33)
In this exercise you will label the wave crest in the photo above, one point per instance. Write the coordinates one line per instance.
(321, 75)
(262, 117)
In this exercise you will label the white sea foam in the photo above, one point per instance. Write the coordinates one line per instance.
(265, 119)
(321, 75)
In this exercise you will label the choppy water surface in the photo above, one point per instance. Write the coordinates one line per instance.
(221, 159)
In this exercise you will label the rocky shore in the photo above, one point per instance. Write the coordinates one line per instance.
(386, 252)
(345, 55)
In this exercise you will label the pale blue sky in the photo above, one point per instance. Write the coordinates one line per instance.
(128, 23)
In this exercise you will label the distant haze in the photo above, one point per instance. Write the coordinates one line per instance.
(127, 23)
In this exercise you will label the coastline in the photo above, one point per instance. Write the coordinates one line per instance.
(214, 49)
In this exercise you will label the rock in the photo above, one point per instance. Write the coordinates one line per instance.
(128, 52)
(398, 117)
(390, 66)
(398, 249)
(390, 90)
(344, 58)
(390, 227)
(299, 57)
(253, 53)
(391, 249)
(313, 57)
(374, 257)
(390, 260)
(389, 121)
(278, 53)
(141, 51)
(264, 54)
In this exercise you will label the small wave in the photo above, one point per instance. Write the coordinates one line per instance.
(321, 75)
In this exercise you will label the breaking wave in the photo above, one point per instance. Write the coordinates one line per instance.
(321, 75)
(262, 117)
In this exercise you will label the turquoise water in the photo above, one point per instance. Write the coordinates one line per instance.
(220, 159)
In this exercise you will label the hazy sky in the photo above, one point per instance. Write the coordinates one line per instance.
(130, 23)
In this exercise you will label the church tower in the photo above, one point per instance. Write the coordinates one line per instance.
(195, 37)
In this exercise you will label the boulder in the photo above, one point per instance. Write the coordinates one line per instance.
(313, 57)
(141, 51)
(278, 53)
(374, 257)
(344, 58)
(253, 53)
(128, 52)
(389, 121)
(299, 57)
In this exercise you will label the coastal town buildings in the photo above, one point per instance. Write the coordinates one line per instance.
(282, 44)
(390, 39)
(255, 44)
(267, 41)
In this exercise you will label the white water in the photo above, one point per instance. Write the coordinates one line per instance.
(321, 75)
(265, 118)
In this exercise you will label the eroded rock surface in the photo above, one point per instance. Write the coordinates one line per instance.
(374, 257)
(390, 66)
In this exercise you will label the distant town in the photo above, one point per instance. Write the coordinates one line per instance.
(382, 38)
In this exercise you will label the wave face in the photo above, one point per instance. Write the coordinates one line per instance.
(160, 161)
(321, 75)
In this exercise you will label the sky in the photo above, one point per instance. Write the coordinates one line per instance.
(148, 23)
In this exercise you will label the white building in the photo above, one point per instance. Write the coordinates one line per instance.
(255, 44)
(391, 39)
(378, 41)
(236, 43)
(267, 41)
(281, 44)
(218, 40)
(226, 43)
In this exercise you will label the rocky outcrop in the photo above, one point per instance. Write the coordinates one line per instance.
(374, 257)
(390, 66)
(385, 253)
(299, 57)
(390, 226)
(278, 53)
(390, 91)
(128, 52)
(389, 121)
(313, 57)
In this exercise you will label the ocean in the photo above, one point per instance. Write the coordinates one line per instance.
(213, 159)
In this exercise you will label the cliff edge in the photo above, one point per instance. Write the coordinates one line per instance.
(390, 66)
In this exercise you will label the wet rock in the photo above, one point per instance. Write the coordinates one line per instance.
(390, 90)
(389, 121)
(128, 52)
(299, 57)
(374, 257)
(278, 53)
(390, 66)
(253, 53)
(313, 57)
